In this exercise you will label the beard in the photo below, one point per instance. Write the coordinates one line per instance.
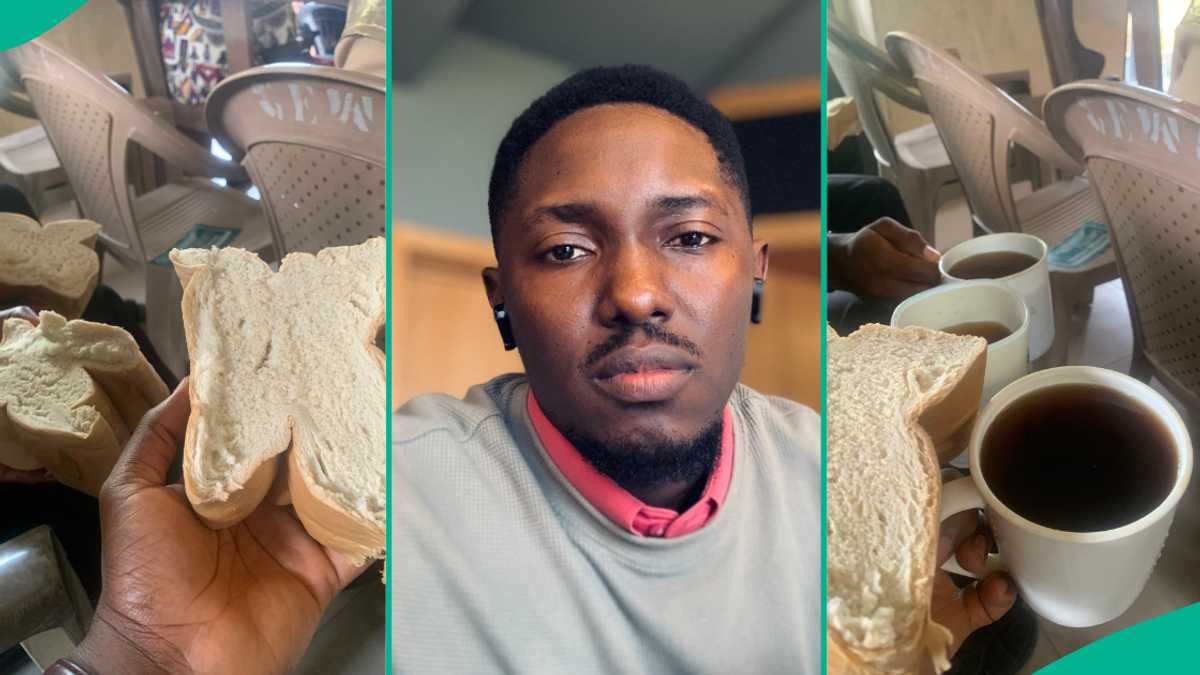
(652, 460)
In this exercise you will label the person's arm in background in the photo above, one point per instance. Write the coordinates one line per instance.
(882, 260)
(180, 598)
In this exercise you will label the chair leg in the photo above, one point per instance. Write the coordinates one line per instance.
(39, 592)
(1139, 367)
(1064, 294)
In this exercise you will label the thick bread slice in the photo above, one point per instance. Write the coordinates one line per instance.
(71, 392)
(883, 490)
(287, 360)
(53, 267)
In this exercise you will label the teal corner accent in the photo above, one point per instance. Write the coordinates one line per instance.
(21, 22)
(824, 322)
(1161, 645)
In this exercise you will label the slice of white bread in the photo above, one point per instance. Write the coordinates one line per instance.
(285, 360)
(883, 488)
(54, 267)
(71, 392)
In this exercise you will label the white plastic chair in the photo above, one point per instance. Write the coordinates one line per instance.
(1140, 147)
(980, 125)
(915, 160)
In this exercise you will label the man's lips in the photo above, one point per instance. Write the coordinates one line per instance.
(643, 375)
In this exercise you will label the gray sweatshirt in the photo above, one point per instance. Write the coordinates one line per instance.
(499, 565)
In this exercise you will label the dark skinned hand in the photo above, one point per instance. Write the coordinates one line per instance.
(181, 598)
(965, 610)
(7, 473)
(884, 260)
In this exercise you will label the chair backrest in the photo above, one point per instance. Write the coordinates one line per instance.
(91, 122)
(1142, 151)
(978, 124)
(862, 70)
(313, 140)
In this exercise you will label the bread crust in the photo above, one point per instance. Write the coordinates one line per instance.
(120, 397)
(944, 405)
(281, 479)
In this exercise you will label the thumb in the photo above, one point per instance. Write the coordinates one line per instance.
(153, 445)
(980, 604)
(905, 239)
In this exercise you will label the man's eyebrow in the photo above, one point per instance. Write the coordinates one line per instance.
(675, 204)
(571, 212)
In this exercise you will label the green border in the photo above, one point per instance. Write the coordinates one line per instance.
(27, 20)
(824, 322)
(390, 560)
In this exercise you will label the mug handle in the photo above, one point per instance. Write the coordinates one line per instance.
(961, 495)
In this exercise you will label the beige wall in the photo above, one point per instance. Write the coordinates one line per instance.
(991, 36)
(98, 36)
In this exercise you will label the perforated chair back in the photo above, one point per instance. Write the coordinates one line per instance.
(862, 70)
(313, 140)
(978, 124)
(91, 122)
(1142, 150)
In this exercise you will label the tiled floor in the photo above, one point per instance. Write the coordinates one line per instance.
(1102, 336)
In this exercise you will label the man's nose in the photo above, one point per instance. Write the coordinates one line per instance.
(634, 290)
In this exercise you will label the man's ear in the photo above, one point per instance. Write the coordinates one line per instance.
(760, 259)
(491, 286)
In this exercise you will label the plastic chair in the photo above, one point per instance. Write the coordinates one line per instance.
(915, 160)
(26, 154)
(980, 125)
(313, 140)
(92, 122)
(40, 592)
(1139, 146)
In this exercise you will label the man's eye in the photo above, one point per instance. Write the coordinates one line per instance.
(692, 240)
(565, 253)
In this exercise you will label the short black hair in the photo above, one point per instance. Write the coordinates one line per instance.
(605, 85)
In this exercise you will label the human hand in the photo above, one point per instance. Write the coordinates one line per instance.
(966, 610)
(883, 260)
(181, 598)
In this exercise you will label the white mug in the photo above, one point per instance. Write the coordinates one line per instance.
(1032, 283)
(968, 302)
(1073, 579)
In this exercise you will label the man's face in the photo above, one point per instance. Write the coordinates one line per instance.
(627, 269)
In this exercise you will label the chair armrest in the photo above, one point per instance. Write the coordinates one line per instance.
(156, 133)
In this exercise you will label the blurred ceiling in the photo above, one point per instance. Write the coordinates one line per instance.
(705, 42)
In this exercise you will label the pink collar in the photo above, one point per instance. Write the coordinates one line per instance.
(620, 506)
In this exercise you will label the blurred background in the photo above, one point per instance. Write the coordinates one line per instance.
(462, 70)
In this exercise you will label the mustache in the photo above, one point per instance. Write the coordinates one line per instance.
(655, 332)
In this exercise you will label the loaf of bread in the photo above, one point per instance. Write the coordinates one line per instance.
(284, 369)
(54, 267)
(71, 392)
(883, 488)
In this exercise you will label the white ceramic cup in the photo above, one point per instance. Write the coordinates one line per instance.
(968, 302)
(1033, 283)
(1074, 579)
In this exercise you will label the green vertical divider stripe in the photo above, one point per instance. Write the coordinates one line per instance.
(1161, 645)
(24, 20)
(388, 559)
(824, 320)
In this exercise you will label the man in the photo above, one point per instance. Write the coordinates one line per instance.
(625, 506)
